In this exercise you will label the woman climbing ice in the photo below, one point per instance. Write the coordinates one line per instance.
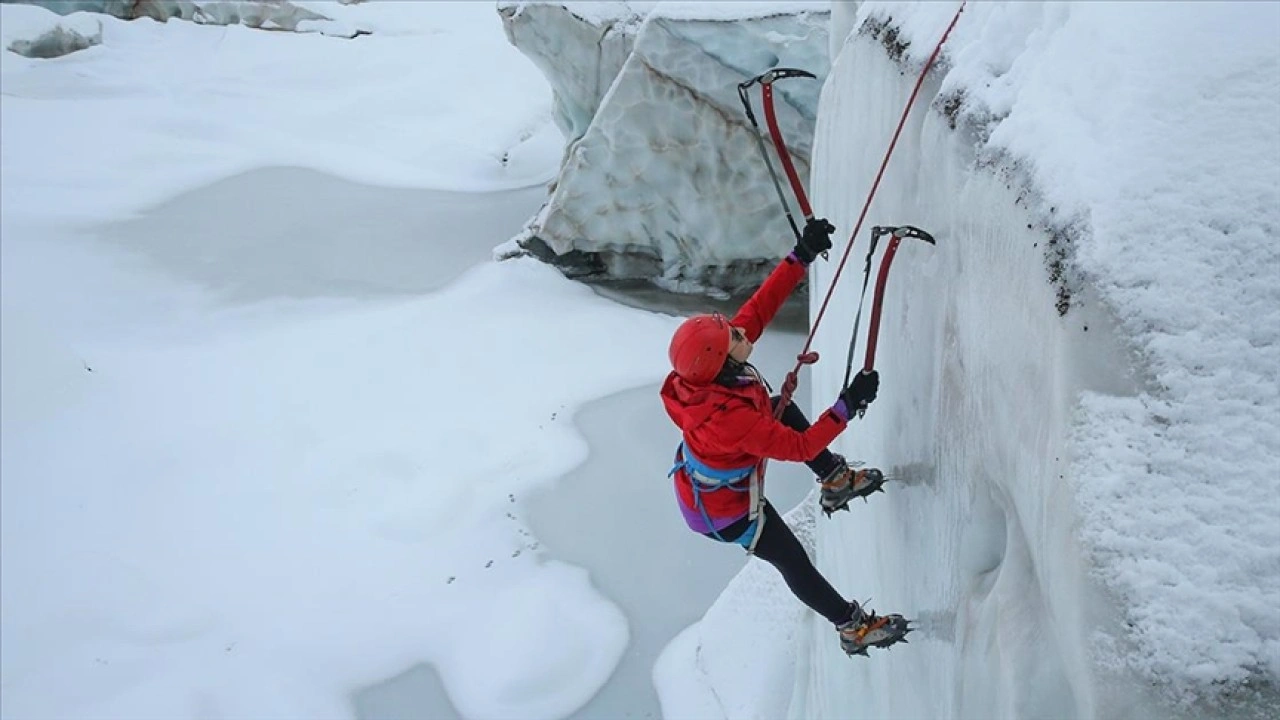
(727, 417)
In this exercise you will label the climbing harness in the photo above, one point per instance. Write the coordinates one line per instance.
(704, 478)
(807, 356)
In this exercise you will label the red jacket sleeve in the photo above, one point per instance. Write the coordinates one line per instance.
(767, 437)
(763, 304)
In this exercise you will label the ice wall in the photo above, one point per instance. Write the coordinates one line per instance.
(1046, 400)
(662, 179)
(979, 376)
(1080, 398)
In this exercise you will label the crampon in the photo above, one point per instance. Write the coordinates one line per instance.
(869, 630)
(848, 483)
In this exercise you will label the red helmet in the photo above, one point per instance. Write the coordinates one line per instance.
(699, 347)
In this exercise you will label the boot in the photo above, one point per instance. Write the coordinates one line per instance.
(864, 630)
(845, 483)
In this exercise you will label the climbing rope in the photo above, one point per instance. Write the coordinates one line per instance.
(807, 356)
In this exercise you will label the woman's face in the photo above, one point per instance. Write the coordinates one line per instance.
(739, 346)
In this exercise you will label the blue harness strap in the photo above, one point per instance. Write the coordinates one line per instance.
(704, 477)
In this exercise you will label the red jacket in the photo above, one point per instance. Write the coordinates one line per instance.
(734, 427)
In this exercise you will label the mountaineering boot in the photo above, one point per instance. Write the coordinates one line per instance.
(845, 483)
(866, 629)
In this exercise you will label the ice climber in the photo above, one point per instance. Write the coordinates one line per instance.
(726, 415)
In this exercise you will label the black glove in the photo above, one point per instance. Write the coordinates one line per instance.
(861, 391)
(815, 239)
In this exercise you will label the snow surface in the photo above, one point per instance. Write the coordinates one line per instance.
(238, 499)
(375, 110)
(663, 179)
(250, 499)
(272, 15)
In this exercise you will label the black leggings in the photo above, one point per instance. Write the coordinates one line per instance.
(779, 547)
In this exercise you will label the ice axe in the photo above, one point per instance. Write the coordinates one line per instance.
(896, 234)
(766, 81)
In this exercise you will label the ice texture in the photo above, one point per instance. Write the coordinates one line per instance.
(662, 179)
(584, 51)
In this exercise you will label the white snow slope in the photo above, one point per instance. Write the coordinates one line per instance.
(251, 498)
(1087, 516)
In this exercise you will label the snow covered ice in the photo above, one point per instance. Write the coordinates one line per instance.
(271, 414)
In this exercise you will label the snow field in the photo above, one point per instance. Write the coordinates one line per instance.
(253, 505)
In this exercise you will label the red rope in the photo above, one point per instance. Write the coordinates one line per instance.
(806, 357)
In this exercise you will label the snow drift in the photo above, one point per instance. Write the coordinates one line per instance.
(37, 33)
(262, 14)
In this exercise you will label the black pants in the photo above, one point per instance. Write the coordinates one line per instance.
(779, 547)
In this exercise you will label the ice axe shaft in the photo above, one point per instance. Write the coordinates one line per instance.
(771, 119)
(766, 81)
(877, 303)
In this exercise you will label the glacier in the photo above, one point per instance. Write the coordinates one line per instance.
(661, 178)
(1079, 383)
